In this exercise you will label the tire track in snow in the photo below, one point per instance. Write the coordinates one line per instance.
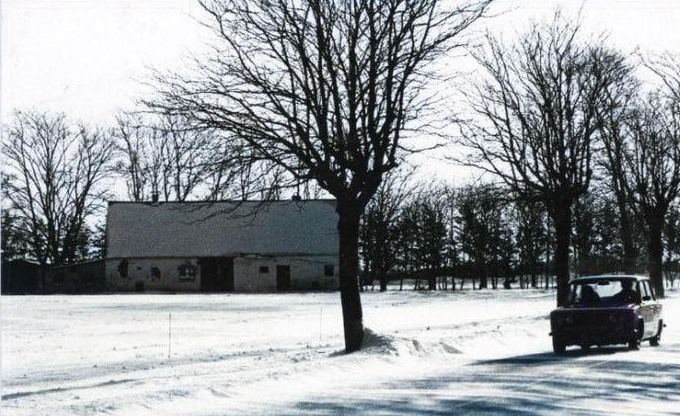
(20, 394)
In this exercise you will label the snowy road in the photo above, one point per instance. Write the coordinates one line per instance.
(438, 353)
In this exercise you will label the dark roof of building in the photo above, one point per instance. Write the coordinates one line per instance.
(222, 228)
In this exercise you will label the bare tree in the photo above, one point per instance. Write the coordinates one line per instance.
(189, 152)
(620, 95)
(537, 121)
(141, 154)
(54, 173)
(651, 159)
(666, 67)
(165, 156)
(224, 173)
(327, 90)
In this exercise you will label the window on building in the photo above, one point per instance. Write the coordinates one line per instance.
(155, 273)
(329, 270)
(264, 269)
(187, 272)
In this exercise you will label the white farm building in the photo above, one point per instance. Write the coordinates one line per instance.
(222, 246)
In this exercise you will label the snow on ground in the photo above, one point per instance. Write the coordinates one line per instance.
(483, 352)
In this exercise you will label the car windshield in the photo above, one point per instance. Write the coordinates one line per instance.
(604, 292)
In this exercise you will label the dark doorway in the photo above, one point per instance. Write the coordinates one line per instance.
(217, 274)
(282, 277)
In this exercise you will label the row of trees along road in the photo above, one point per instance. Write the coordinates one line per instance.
(439, 236)
(546, 106)
(332, 95)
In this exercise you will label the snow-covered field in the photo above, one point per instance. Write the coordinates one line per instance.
(485, 352)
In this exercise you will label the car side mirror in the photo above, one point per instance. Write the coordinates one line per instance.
(646, 298)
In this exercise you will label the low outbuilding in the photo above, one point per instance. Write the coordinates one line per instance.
(84, 277)
(20, 276)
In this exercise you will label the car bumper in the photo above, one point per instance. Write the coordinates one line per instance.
(594, 336)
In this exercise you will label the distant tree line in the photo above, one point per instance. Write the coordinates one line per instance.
(439, 237)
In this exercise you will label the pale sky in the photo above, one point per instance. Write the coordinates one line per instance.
(86, 57)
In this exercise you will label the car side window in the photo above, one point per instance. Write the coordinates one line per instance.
(644, 294)
(649, 290)
(575, 293)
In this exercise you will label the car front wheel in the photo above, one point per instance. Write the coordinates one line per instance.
(654, 341)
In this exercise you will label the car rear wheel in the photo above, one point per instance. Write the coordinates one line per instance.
(654, 341)
(558, 345)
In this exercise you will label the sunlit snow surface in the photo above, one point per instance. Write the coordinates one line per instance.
(439, 353)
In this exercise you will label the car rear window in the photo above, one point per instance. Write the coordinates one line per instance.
(596, 293)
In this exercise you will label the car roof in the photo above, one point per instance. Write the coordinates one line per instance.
(609, 277)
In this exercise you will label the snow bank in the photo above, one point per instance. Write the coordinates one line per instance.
(399, 346)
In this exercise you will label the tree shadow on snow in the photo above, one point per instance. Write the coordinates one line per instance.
(607, 382)
(551, 358)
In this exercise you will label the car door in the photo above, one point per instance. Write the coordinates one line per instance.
(645, 307)
(656, 309)
(648, 308)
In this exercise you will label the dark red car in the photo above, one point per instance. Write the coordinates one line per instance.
(604, 310)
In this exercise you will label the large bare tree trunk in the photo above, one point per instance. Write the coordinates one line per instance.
(655, 254)
(561, 216)
(352, 316)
